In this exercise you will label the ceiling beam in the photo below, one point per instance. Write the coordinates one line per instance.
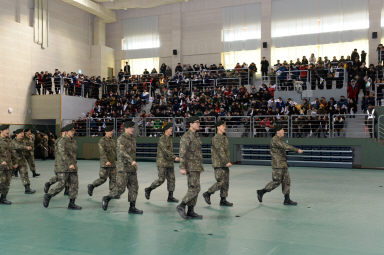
(130, 4)
(96, 9)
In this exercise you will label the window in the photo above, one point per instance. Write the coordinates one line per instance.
(230, 59)
(139, 64)
(141, 33)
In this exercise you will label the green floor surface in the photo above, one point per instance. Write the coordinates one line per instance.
(340, 211)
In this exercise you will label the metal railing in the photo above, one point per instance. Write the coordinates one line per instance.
(242, 73)
(296, 126)
(379, 96)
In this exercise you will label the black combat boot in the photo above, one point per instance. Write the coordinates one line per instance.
(90, 189)
(4, 201)
(34, 174)
(288, 201)
(171, 199)
(191, 214)
(47, 185)
(105, 202)
(28, 189)
(260, 194)
(181, 210)
(73, 206)
(224, 202)
(207, 197)
(47, 198)
(133, 209)
(66, 191)
(148, 192)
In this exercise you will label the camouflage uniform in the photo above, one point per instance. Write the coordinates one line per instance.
(107, 150)
(30, 155)
(54, 178)
(66, 156)
(20, 149)
(165, 165)
(126, 173)
(7, 155)
(220, 158)
(280, 174)
(191, 159)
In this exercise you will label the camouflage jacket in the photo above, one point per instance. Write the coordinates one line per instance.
(107, 151)
(220, 151)
(126, 153)
(278, 152)
(20, 149)
(191, 155)
(30, 141)
(66, 155)
(7, 154)
(56, 150)
(165, 156)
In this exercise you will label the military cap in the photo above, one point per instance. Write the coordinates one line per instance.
(61, 130)
(168, 126)
(18, 131)
(219, 123)
(4, 127)
(129, 124)
(278, 127)
(68, 127)
(193, 119)
(109, 129)
(27, 129)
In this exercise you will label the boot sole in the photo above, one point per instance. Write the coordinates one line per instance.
(259, 197)
(135, 212)
(207, 200)
(182, 214)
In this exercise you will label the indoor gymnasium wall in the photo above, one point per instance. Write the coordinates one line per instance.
(69, 49)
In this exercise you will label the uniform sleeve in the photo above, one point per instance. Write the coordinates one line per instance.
(124, 153)
(184, 142)
(102, 152)
(286, 146)
(220, 149)
(167, 152)
(61, 152)
(19, 146)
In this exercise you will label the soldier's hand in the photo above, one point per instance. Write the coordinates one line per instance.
(15, 165)
(300, 151)
(134, 163)
(4, 163)
(108, 163)
(177, 159)
(229, 164)
(183, 171)
(29, 148)
(71, 167)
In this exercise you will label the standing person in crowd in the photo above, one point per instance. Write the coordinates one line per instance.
(264, 68)
(127, 69)
(191, 164)
(371, 120)
(7, 163)
(20, 149)
(66, 169)
(280, 174)
(126, 169)
(107, 151)
(165, 164)
(221, 162)
(29, 140)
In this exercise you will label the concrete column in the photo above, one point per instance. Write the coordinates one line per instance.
(266, 13)
(375, 7)
(98, 31)
(176, 35)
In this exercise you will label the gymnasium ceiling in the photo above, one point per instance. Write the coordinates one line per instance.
(129, 4)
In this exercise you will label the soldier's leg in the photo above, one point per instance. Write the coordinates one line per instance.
(170, 175)
(73, 182)
(112, 179)
(286, 188)
(103, 176)
(192, 203)
(5, 181)
(224, 189)
(32, 165)
(25, 180)
(51, 181)
(60, 185)
(121, 185)
(219, 175)
(162, 175)
(190, 198)
(133, 188)
(277, 176)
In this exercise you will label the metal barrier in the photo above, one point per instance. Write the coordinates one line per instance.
(307, 126)
(97, 125)
(352, 126)
(379, 87)
(207, 126)
(263, 125)
(153, 126)
(238, 126)
(380, 128)
(81, 126)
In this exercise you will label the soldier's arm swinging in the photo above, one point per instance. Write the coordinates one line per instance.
(168, 153)
(128, 159)
(182, 154)
(103, 154)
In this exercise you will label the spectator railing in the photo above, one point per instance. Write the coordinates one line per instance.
(380, 128)
(352, 126)
(238, 126)
(242, 73)
(296, 126)
(379, 87)
(310, 126)
(285, 80)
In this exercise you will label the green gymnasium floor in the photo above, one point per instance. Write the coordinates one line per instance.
(340, 211)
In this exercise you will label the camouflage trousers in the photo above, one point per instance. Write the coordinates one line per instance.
(23, 170)
(193, 188)
(165, 173)
(31, 161)
(5, 181)
(53, 179)
(222, 181)
(280, 176)
(70, 179)
(126, 180)
(104, 174)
